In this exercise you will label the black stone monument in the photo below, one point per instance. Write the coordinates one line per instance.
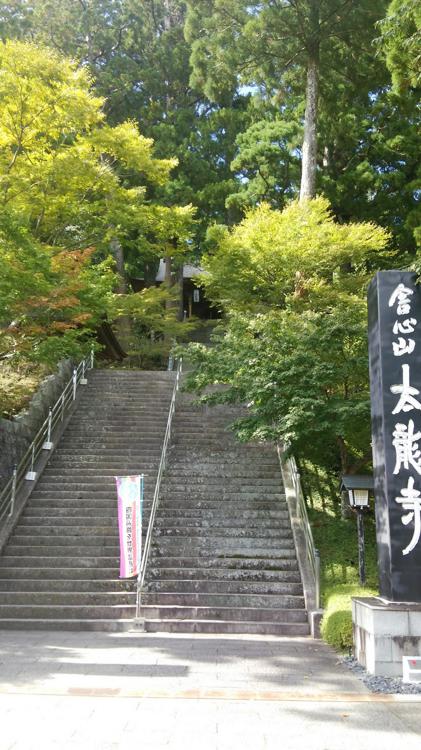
(394, 309)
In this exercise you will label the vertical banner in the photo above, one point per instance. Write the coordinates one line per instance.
(394, 315)
(130, 508)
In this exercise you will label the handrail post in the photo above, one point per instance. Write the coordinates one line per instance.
(31, 475)
(83, 380)
(74, 383)
(92, 359)
(47, 445)
(13, 498)
(317, 576)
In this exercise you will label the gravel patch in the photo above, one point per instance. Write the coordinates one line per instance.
(380, 684)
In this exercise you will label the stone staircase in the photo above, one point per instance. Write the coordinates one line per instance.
(223, 557)
(59, 569)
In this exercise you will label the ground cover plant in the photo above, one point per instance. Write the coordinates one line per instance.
(335, 536)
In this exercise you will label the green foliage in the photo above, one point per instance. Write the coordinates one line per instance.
(258, 261)
(336, 627)
(17, 385)
(401, 38)
(140, 60)
(72, 188)
(294, 347)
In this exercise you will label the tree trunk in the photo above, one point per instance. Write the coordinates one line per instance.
(123, 325)
(308, 166)
(118, 254)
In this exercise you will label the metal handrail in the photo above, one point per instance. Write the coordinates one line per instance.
(156, 495)
(313, 554)
(25, 469)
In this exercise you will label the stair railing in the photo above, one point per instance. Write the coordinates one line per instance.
(156, 495)
(25, 469)
(313, 554)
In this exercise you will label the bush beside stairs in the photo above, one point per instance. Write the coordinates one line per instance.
(222, 557)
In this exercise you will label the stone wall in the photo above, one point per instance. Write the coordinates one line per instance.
(16, 434)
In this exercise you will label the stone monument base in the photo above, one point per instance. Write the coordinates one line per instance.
(384, 632)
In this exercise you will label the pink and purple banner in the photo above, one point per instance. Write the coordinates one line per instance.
(130, 507)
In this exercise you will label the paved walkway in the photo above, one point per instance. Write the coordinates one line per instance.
(117, 691)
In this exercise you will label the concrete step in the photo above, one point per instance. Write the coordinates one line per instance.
(285, 629)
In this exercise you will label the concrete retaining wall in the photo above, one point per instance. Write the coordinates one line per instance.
(16, 434)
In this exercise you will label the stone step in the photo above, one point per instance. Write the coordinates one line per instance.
(113, 433)
(248, 493)
(222, 574)
(221, 484)
(23, 575)
(236, 506)
(59, 494)
(208, 533)
(215, 476)
(102, 443)
(67, 612)
(225, 562)
(251, 614)
(248, 546)
(42, 525)
(67, 598)
(108, 484)
(45, 532)
(84, 474)
(97, 625)
(55, 503)
(214, 627)
(68, 514)
(92, 585)
(78, 551)
(276, 601)
(82, 468)
(206, 586)
(192, 516)
(222, 522)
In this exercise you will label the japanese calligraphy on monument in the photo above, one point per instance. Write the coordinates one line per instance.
(395, 381)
